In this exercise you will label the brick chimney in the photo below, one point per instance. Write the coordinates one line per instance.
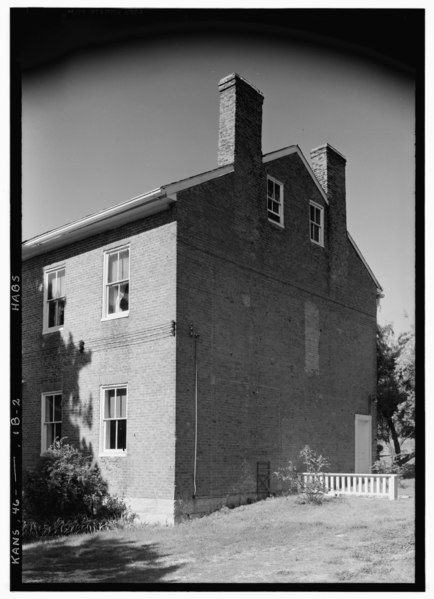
(240, 126)
(329, 167)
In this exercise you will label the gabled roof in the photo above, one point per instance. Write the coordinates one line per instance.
(152, 202)
(296, 150)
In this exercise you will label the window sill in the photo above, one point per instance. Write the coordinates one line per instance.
(114, 454)
(276, 224)
(321, 245)
(116, 316)
(52, 330)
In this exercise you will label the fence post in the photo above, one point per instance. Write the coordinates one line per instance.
(393, 487)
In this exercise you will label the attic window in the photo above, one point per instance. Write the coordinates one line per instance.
(316, 223)
(275, 201)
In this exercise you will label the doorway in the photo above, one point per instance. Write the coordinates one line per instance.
(363, 444)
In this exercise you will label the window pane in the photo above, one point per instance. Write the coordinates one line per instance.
(52, 314)
(113, 424)
(112, 268)
(270, 188)
(122, 434)
(274, 217)
(124, 265)
(109, 407)
(50, 435)
(60, 291)
(110, 434)
(277, 192)
(60, 312)
(57, 408)
(122, 403)
(49, 408)
(275, 207)
(51, 285)
(57, 431)
(123, 301)
(113, 299)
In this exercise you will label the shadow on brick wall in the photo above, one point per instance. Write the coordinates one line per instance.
(77, 411)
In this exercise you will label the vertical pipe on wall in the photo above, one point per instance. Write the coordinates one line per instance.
(195, 335)
(195, 416)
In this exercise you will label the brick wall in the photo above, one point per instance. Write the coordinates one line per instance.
(282, 359)
(138, 350)
(247, 287)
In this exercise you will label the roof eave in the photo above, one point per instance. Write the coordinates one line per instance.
(140, 206)
(380, 291)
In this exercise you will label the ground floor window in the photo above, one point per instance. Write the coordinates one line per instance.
(114, 419)
(51, 419)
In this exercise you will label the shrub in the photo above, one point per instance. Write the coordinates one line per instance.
(313, 491)
(310, 491)
(77, 525)
(289, 478)
(66, 492)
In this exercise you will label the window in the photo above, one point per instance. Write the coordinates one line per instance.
(275, 201)
(116, 283)
(316, 223)
(51, 419)
(114, 419)
(54, 299)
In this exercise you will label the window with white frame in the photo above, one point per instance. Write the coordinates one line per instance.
(51, 419)
(316, 223)
(116, 283)
(54, 299)
(275, 200)
(114, 419)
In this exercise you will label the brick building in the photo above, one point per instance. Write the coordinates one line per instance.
(208, 326)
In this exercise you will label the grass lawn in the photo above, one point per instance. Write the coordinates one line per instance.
(347, 539)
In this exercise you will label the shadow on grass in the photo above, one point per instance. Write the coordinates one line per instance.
(95, 560)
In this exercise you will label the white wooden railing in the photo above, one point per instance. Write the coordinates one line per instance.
(384, 485)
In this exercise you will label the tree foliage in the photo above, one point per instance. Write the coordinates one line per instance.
(395, 388)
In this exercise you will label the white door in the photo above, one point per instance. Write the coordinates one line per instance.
(363, 443)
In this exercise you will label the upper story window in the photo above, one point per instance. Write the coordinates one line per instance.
(275, 200)
(316, 223)
(114, 420)
(116, 283)
(54, 299)
(51, 419)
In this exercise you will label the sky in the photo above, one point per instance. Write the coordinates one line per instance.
(103, 126)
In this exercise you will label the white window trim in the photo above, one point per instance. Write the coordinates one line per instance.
(321, 226)
(45, 328)
(43, 428)
(279, 223)
(111, 452)
(125, 313)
